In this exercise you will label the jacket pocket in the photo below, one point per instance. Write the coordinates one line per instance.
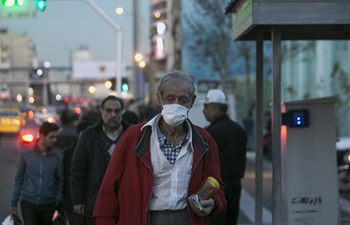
(28, 187)
(50, 188)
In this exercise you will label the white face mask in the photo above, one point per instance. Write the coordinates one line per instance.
(174, 114)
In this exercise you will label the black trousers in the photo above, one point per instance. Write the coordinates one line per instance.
(233, 190)
(73, 217)
(37, 214)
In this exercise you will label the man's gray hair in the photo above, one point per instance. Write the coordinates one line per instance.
(176, 77)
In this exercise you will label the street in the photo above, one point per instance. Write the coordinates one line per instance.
(8, 154)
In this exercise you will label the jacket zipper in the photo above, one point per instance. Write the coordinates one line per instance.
(40, 178)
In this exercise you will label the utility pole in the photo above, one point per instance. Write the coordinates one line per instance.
(136, 48)
(118, 31)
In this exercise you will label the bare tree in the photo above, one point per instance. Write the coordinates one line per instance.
(207, 34)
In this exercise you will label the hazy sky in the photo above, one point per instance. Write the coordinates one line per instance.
(67, 24)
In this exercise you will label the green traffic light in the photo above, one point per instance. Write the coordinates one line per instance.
(125, 87)
(11, 3)
(40, 5)
(8, 3)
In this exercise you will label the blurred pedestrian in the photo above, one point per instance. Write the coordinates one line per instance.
(73, 218)
(39, 178)
(158, 164)
(267, 138)
(93, 114)
(131, 117)
(231, 140)
(149, 111)
(68, 132)
(92, 155)
(248, 123)
(65, 115)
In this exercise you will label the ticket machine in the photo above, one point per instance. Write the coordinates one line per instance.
(308, 161)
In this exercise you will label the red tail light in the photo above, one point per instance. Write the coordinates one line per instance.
(27, 138)
(30, 114)
(77, 110)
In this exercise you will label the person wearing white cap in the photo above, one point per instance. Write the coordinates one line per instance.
(231, 140)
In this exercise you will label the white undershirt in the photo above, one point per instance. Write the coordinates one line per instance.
(170, 182)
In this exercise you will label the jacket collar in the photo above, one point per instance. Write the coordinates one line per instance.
(143, 144)
(219, 118)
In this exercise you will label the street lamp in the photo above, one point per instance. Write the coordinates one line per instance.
(119, 10)
(118, 30)
(135, 44)
(138, 59)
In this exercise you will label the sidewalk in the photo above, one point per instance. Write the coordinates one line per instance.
(247, 205)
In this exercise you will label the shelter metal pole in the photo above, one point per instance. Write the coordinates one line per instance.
(276, 125)
(259, 132)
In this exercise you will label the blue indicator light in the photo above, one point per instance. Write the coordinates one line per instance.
(296, 118)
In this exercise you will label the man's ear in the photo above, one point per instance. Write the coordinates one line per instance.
(158, 100)
(193, 100)
(216, 108)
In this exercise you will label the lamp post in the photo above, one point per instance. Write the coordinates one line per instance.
(136, 68)
(118, 30)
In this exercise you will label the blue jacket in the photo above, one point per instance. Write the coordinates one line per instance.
(38, 178)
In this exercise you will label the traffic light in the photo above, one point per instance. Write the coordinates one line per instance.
(110, 84)
(125, 85)
(11, 3)
(40, 4)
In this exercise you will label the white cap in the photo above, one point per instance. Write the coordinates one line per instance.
(214, 96)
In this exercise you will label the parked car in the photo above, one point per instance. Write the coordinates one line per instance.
(343, 161)
(11, 121)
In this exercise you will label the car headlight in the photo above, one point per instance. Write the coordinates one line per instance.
(346, 158)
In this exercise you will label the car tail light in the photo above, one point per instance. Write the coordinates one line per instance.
(77, 110)
(51, 120)
(30, 114)
(36, 120)
(27, 138)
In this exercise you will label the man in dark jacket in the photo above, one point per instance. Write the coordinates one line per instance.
(39, 178)
(231, 140)
(73, 218)
(92, 155)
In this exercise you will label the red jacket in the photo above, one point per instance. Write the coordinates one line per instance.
(126, 190)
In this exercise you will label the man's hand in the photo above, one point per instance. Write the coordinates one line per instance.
(79, 209)
(12, 212)
(208, 206)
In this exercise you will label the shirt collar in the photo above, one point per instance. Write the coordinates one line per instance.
(155, 121)
(115, 135)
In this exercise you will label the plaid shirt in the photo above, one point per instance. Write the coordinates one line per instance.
(169, 150)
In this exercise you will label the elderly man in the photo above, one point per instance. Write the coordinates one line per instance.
(92, 155)
(158, 164)
(231, 140)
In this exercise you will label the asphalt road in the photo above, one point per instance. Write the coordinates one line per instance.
(8, 156)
